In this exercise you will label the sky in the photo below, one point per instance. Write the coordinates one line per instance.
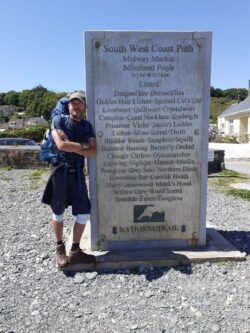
(42, 40)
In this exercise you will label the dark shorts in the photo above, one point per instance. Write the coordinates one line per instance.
(67, 188)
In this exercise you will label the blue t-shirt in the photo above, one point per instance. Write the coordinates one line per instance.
(76, 131)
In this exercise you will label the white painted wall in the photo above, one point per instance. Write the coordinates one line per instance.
(236, 127)
(232, 150)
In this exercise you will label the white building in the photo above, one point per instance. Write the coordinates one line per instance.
(235, 120)
(36, 121)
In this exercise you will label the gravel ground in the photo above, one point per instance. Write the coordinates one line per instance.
(36, 297)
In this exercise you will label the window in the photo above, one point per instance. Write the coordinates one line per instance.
(231, 127)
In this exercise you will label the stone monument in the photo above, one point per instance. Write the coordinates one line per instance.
(148, 99)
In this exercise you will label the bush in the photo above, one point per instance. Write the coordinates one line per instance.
(245, 138)
(34, 133)
(226, 139)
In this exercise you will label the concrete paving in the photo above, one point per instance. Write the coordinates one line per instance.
(218, 249)
(238, 165)
(242, 166)
(237, 158)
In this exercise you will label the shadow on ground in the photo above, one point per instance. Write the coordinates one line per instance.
(219, 176)
(239, 239)
(151, 273)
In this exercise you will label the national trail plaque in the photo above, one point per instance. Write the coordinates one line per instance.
(148, 100)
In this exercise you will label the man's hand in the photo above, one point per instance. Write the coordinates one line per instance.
(62, 135)
(73, 147)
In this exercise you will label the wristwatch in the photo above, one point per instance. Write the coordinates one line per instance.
(85, 146)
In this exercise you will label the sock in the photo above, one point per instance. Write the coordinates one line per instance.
(59, 243)
(75, 247)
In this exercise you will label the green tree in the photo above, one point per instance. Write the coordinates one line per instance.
(216, 92)
(3, 118)
(2, 98)
(217, 106)
(23, 98)
(235, 93)
(11, 98)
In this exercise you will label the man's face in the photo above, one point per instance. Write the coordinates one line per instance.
(76, 109)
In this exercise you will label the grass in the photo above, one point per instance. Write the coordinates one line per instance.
(36, 177)
(226, 178)
(37, 173)
(7, 168)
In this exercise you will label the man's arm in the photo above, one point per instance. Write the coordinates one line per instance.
(88, 149)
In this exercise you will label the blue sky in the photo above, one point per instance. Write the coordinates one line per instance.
(42, 40)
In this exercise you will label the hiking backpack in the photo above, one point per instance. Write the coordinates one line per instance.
(62, 107)
(48, 150)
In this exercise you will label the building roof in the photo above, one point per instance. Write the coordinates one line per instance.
(6, 107)
(237, 108)
(37, 120)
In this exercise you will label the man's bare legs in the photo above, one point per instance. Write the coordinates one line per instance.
(77, 232)
(61, 257)
(58, 230)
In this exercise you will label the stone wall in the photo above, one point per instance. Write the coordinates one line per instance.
(23, 157)
(20, 157)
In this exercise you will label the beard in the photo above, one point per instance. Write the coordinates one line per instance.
(76, 113)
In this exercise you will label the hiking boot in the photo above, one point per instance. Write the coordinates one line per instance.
(79, 257)
(61, 258)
